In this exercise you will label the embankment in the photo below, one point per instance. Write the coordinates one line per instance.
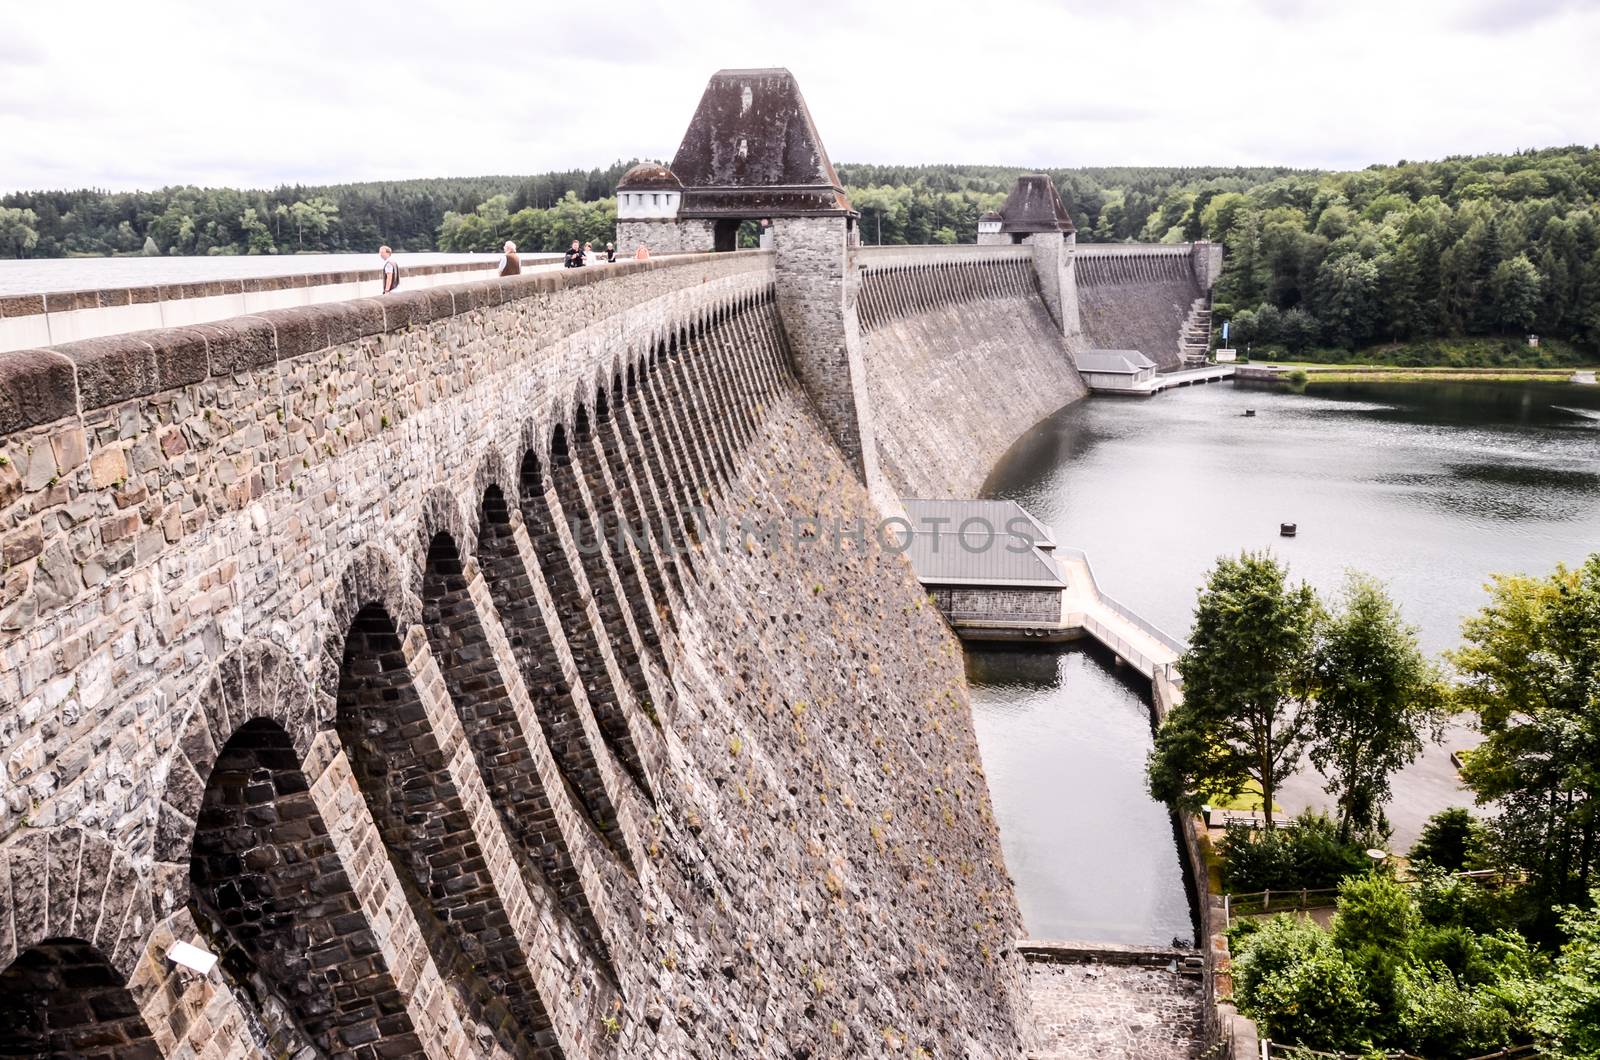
(304, 657)
(962, 357)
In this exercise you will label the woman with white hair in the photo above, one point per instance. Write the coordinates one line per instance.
(509, 265)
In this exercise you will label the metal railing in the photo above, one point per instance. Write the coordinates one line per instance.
(1178, 647)
(1287, 901)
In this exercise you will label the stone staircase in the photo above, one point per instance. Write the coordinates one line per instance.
(1194, 341)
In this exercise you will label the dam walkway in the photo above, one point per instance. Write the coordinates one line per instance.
(997, 574)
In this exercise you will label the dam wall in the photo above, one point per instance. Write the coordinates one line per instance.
(962, 356)
(1137, 296)
(313, 655)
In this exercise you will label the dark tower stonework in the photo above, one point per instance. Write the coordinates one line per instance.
(752, 153)
(1034, 214)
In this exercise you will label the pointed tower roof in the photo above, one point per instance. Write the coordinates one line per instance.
(752, 150)
(1034, 205)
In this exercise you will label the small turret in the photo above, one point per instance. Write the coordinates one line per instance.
(649, 192)
(989, 228)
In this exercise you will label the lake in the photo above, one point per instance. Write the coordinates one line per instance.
(1432, 488)
(31, 275)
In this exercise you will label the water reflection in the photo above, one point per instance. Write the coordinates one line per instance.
(1064, 739)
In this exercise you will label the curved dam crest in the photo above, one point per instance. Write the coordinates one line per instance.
(306, 556)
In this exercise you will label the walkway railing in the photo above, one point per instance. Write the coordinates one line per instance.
(1178, 647)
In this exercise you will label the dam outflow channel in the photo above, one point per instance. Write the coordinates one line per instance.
(1430, 487)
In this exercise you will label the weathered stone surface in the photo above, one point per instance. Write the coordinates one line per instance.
(36, 386)
(961, 357)
(1113, 1012)
(112, 369)
(796, 857)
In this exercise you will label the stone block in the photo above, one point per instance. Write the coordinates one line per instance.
(239, 344)
(180, 355)
(112, 369)
(36, 386)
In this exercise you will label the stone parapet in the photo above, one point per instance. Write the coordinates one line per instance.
(37, 386)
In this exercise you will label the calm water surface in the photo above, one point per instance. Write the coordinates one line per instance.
(77, 274)
(1431, 488)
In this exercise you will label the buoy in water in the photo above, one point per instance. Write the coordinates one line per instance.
(1286, 529)
(1249, 412)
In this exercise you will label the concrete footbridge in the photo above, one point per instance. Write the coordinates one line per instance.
(997, 574)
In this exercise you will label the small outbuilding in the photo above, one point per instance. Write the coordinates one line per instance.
(985, 563)
(1125, 371)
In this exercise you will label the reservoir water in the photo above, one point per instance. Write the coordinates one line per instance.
(1432, 488)
(30, 275)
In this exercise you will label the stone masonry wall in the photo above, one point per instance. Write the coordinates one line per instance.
(1136, 298)
(962, 356)
(664, 237)
(276, 632)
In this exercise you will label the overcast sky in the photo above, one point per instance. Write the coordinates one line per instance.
(155, 92)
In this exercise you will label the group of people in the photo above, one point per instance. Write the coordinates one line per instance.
(577, 256)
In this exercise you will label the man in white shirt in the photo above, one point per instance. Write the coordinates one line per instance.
(391, 270)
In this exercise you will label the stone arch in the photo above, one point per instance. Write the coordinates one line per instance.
(373, 575)
(495, 733)
(533, 647)
(493, 470)
(570, 600)
(71, 883)
(61, 997)
(405, 778)
(441, 514)
(258, 679)
(269, 891)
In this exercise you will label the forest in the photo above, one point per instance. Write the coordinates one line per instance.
(1490, 245)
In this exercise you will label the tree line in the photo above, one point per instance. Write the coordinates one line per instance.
(1488, 245)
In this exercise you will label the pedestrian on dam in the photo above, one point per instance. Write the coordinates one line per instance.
(642, 254)
(611, 253)
(509, 264)
(574, 256)
(391, 269)
(588, 253)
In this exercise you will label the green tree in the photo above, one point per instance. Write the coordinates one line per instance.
(1375, 696)
(1530, 671)
(1515, 287)
(1299, 987)
(1246, 677)
(1452, 840)
(1568, 1007)
(17, 234)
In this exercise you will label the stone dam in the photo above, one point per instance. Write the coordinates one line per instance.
(397, 652)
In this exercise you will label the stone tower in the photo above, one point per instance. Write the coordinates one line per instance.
(648, 199)
(752, 153)
(989, 229)
(1034, 214)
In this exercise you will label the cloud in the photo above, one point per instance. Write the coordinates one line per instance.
(169, 91)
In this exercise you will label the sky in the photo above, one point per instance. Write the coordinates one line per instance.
(140, 95)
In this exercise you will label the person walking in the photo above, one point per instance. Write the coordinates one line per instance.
(611, 252)
(588, 252)
(642, 254)
(509, 264)
(574, 258)
(391, 269)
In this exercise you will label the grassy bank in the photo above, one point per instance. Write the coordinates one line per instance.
(1503, 353)
(1437, 375)
(1310, 374)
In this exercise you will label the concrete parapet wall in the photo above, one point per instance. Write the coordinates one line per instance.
(28, 321)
